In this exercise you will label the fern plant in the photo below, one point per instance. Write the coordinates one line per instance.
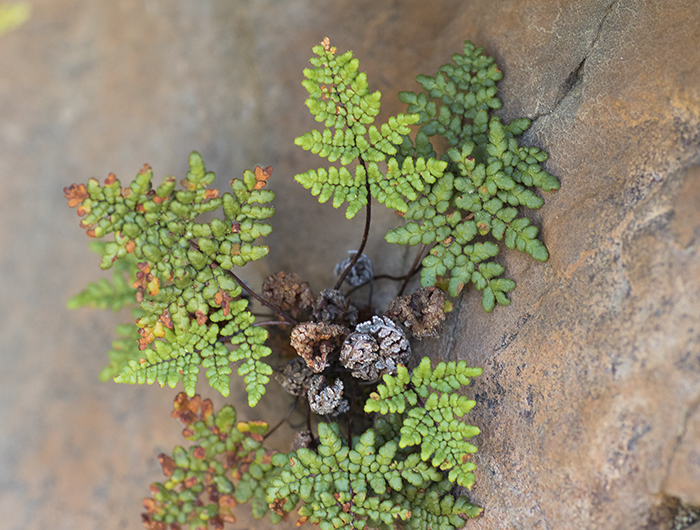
(376, 481)
(226, 466)
(452, 200)
(190, 297)
(394, 447)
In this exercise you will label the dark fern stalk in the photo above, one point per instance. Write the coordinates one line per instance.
(365, 236)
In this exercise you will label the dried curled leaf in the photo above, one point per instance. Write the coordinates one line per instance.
(318, 343)
(261, 176)
(295, 377)
(326, 399)
(361, 273)
(334, 308)
(76, 194)
(423, 312)
(287, 292)
(375, 348)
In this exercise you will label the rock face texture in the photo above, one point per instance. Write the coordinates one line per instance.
(590, 400)
(591, 387)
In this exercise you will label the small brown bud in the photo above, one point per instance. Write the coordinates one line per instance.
(423, 312)
(317, 342)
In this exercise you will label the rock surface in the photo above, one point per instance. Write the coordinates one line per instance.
(591, 388)
(590, 399)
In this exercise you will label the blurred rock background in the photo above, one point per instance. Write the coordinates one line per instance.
(590, 399)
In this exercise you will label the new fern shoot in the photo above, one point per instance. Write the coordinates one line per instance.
(393, 446)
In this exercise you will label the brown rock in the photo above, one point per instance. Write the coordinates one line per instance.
(592, 376)
(684, 472)
(588, 402)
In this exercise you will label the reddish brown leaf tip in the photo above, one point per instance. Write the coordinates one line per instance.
(76, 194)
(261, 176)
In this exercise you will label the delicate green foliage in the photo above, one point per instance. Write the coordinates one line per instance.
(487, 176)
(451, 202)
(429, 406)
(374, 484)
(387, 475)
(339, 97)
(191, 303)
(114, 294)
(227, 465)
(405, 471)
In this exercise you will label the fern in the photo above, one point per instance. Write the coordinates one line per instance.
(375, 482)
(407, 466)
(487, 176)
(430, 407)
(191, 302)
(339, 97)
(378, 481)
(227, 465)
(472, 190)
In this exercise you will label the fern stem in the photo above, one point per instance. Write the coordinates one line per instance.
(365, 235)
(260, 299)
(271, 323)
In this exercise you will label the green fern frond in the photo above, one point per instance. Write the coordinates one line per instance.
(377, 481)
(192, 305)
(436, 508)
(487, 176)
(371, 485)
(339, 97)
(184, 329)
(430, 409)
(226, 465)
(338, 485)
